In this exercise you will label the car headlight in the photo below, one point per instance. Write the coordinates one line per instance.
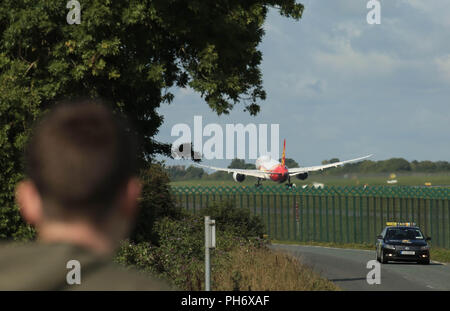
(389, 246)
(424, 248)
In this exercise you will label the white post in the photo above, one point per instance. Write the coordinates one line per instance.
(210, 242)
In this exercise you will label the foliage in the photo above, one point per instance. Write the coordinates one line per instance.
(333, 160)
(261, 269)
(440, 254)
(236, 263)
(240, 163)
(13, 227)
(156, 202)
(237, 220)
(129, 53)
(180, 254)
(291, 163)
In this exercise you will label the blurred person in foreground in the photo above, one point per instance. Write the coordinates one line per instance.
(81, 195)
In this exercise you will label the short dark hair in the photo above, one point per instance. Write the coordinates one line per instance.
(79, 157)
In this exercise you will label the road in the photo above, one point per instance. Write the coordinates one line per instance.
(347, 269)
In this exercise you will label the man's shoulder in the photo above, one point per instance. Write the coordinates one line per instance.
(36, 266)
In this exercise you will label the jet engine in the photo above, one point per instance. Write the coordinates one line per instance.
(238, 177)
(302, 176)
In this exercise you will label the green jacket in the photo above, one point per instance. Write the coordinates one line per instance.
(39, 266)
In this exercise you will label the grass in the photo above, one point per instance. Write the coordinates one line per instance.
(365, 246)
(261, 269)
(440, 254)
(404, 179)
(437, 254)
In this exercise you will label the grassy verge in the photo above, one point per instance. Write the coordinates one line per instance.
(365, 246)
(261, 269)
(438, 254)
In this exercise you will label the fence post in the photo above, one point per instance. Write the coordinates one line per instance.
(307, 217)
(281, 217)
(334, 216)
(288, 218)
(268, 214)
(210, 242)
(431, 220)
(326, 217)
(361, 220)
(347, 225)
(341, 237)
(275, 218)
(314, 217)
(320, 217)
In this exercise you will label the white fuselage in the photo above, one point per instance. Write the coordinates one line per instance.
(266, 163)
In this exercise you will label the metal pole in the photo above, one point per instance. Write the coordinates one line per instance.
(207, 255)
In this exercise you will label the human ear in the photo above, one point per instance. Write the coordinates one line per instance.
(29, 201)
(132, 193)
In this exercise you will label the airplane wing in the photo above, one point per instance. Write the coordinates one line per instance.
(300, 170)
(254, 173)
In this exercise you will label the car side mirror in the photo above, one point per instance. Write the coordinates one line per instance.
(379, 237)
(428, 239)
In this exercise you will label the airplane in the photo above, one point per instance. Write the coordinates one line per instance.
(270, 169)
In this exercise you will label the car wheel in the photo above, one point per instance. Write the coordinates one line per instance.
(378, 257)
(383, 258)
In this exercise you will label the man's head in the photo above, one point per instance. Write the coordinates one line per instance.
(81, 166)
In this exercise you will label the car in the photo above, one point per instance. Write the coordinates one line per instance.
(402, 242)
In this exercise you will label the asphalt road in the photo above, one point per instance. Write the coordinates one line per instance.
(347, 269)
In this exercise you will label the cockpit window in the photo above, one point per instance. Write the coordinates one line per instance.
(404, 234)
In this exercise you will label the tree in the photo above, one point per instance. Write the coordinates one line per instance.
(334, 160)
(395, 165)
(291, 163)
(240, 163)
(193, 172)
(156, 202)
(129, 53)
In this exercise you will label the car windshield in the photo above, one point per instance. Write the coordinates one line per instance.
(404, 234)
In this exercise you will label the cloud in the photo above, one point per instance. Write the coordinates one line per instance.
(443, 66)
(435, 10)
(345, 60)
(340, 87)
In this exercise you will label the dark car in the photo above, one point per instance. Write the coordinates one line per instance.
(402, 242)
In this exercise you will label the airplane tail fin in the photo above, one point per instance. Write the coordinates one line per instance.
(283, 157)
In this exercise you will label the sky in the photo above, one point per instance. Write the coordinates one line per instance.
(341, 88)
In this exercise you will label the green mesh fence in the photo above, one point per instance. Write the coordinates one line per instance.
(332, 214)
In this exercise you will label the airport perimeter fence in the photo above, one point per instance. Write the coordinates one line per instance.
(332, 214)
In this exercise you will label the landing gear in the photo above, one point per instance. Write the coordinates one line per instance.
(289, 184)
(258, 183)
